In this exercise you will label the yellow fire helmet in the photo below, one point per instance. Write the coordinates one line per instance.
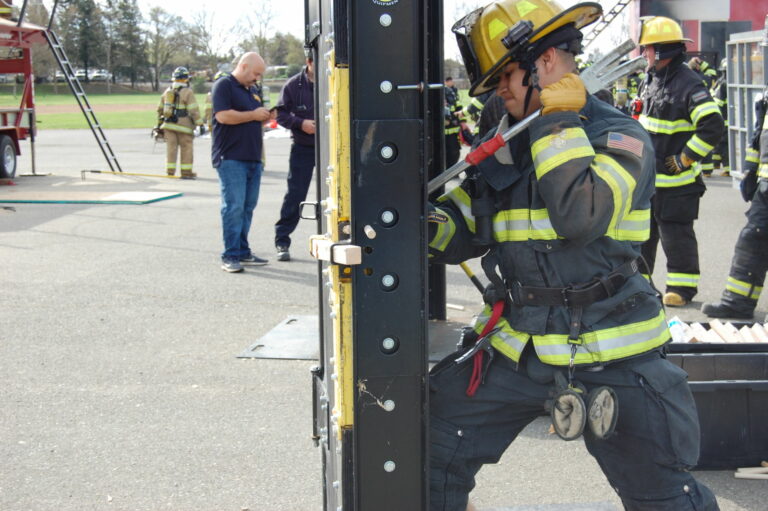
(492, 36)
(660, 30)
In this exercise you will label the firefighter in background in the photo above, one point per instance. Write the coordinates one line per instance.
(685, 125)
(208, 111)
(749, 263)
(179, 114)
(707, 73)
(473, 111)
(6, 9)
(560, 227)
(720, 95)
(453, 123)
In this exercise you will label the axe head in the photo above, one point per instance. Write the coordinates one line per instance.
(607, 70)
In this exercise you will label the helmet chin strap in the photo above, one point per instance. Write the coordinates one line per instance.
(530, 80)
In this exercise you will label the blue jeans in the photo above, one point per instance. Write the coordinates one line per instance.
(240, 181)
(301, 164)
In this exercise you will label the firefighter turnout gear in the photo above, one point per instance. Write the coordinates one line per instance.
(546, 235)
(720, 155)
(749, 264)
(483, 39)
(453, 119)
(179, 114)
(685, 125)
(570, 205)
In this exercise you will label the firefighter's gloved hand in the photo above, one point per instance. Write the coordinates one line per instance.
(567, 94)
(748, 186)
(678, 163)
(201, 130)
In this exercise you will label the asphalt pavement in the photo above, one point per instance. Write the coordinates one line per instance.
(119, 333)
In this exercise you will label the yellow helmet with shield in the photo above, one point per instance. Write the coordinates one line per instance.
(507, 30)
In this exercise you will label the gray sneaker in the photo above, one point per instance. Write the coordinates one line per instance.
(231, 265)
(282, 253)
(253, 260)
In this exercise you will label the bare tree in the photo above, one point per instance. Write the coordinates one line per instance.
(167, 36)
(210, 43)
(254, 29)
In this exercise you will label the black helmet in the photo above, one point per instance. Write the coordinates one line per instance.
(181, 73)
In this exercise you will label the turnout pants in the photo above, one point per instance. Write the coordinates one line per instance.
(749, 264)
(646, 460)
(672, 219)
(175, 143)
(452, 149)
(301, 166)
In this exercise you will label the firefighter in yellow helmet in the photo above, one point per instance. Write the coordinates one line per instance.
(685, 125)
(571, 326)
(178, 115)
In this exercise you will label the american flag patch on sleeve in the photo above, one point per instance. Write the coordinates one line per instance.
(699, 96)
(625, 143)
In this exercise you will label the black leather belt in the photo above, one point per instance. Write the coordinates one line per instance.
(577, 295)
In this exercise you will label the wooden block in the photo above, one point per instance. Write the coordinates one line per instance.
(746, 334)
(712, 336)
(699, 332)
(759, 333)
(747, 475)
(725, 333)
(339, 253)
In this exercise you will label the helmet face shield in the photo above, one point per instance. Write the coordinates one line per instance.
(461, 30)
(181, 73)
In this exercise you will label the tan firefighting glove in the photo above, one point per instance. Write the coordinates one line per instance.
(567, 94)
(678, 163)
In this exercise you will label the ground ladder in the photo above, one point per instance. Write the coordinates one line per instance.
(82, 100)
(605, 21)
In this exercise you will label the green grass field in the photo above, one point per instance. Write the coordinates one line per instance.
(140, 109)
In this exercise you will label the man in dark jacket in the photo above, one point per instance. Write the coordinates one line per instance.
(296, 112)
(567, 205)
(685, 126)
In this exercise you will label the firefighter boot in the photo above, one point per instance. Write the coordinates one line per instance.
(672, 299)
(730, 305)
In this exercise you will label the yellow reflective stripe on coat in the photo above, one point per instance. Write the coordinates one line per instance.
(635, 226)
(522, 225)
(452, 131)
(177, 128)
(752, 156)
(703, 110)
(444, 233)
(656, 126)
(622, 186)
(462, 201)
(683, 279)
(508, 341)
(604, 345)
(698, 146)
(684, 178)
(743, 288)
(594, 347)
(551, 151)
(762, 170)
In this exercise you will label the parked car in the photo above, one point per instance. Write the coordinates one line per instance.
(100, 75)
(80, 74)
(59, 76)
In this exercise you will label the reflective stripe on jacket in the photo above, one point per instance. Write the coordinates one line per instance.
(187, 110)
(573, 206)
(681, 117)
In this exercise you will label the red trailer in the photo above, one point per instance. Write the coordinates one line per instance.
(18, 123)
